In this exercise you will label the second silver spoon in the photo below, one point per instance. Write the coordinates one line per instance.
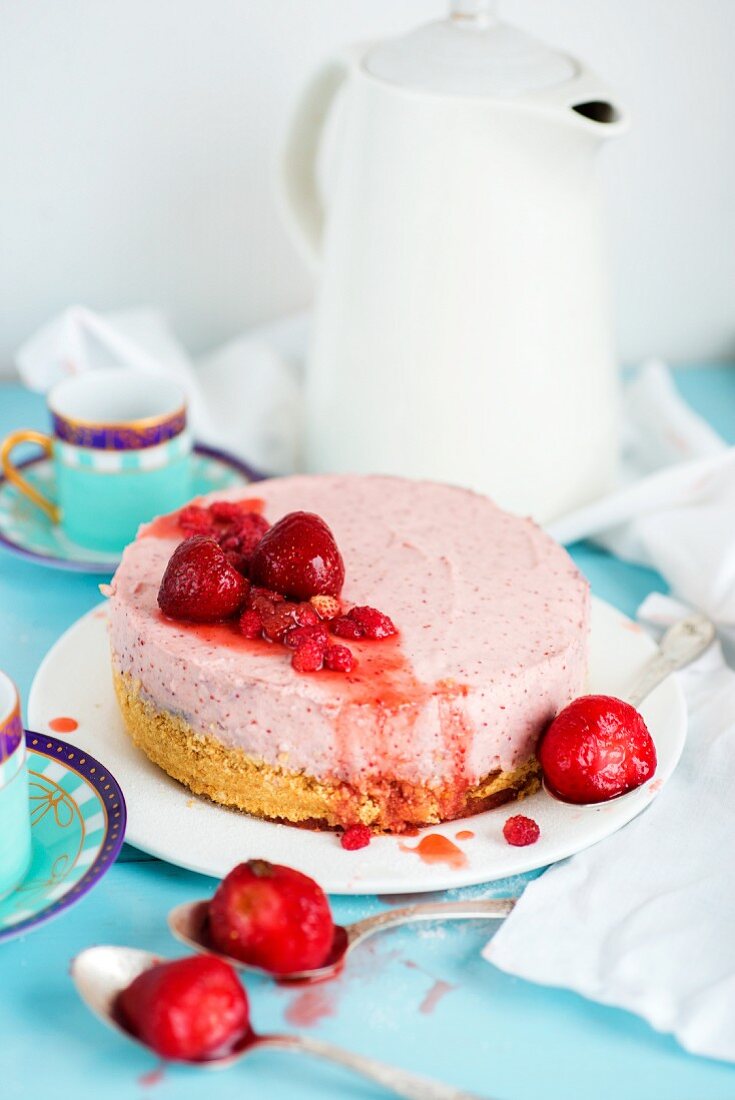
(188, 923)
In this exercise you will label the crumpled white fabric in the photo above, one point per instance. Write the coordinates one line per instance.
(244, 397)
(644, 920)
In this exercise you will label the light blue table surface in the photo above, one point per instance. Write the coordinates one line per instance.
(489, 1032)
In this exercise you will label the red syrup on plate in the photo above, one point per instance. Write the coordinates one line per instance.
(436, 848)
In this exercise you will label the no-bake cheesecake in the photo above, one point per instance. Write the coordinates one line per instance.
(435, 721)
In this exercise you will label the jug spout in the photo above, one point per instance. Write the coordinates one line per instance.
(583, 102)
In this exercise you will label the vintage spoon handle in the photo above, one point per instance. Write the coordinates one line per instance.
(437, 910)
(680, 645)
(399, 1081)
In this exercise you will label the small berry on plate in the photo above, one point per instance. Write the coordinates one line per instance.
(199, 584)
(595, 749)
(521, 831)
(271, 916)
(299, 557)
(355, 837)
(338, 658)
(374, 624)
(186, 1009)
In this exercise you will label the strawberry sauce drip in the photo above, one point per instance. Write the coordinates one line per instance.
(224, 635)
(436, 848)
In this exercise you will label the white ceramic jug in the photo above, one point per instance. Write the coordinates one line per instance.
(462, 329)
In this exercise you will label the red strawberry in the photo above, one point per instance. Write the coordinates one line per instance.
(199, 584)
(299, 557)
(272, 917)
(186, 1009)
(595, 749)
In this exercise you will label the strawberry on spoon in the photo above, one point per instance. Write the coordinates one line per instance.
(106, 975)
(599, 747)
(271, 917)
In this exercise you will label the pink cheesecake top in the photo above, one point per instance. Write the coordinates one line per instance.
(492, 618)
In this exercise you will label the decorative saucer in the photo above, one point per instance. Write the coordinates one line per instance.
(26, 531)
(77, 829)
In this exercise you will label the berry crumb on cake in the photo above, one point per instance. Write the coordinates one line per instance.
(347, 650)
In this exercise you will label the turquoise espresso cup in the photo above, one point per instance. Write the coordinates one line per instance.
(121, 454)
(15, 823)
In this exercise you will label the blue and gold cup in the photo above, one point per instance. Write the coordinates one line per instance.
(121, 453)
(15, 824)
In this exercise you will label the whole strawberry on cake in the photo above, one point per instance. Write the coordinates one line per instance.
(347, 650)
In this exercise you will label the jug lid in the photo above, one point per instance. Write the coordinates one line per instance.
(470, 53)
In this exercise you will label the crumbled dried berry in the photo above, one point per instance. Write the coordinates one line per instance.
(338, 658)
(345, 627)
(248, 530)
(277, 620)
(309, 657)
(226, 510)
(302, 634)
(305, 615)
(250, 625)
(326, 607)
(374, 623)
(521, 831)
(231, 523)
(195, 520)
(356, 836)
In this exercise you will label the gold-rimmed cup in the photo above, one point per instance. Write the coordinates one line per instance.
(121, 454)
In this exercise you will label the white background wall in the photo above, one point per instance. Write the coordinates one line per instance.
(137, 142)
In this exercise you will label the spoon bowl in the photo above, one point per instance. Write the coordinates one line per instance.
(101, 973)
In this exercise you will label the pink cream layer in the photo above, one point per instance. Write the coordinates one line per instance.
(493, 621)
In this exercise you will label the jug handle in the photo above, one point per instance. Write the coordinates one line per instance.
(298, 186)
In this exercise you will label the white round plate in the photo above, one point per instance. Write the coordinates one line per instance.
(166, 820)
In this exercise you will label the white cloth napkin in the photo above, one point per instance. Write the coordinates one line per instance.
(244, 397)
(644, 920)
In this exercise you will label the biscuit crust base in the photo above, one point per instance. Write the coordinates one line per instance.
(231, 777)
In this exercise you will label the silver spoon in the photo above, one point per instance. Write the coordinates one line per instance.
(188, 923)
(681, 644)
(101, 973)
